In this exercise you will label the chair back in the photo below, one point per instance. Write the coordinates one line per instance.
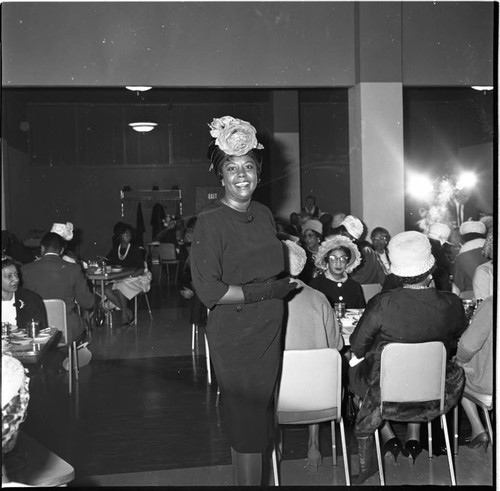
(413, 372)
(370, 290)
(311, 386)
(167, 252)
(56, 316)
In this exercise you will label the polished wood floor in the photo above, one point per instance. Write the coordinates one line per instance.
(144, 414)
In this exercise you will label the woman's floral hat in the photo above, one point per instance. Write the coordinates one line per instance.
(335, 242)
(234, 136)
(64, 230)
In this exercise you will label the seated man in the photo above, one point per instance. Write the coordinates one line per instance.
(52, 277)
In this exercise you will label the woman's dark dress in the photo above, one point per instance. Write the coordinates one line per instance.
(402, 315)
(236, 248)
(350, 291)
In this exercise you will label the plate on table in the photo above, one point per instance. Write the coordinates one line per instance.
(116, 269)
(13, 327)
(42, 337)
(19, 335)
(21, 341)
(354, 312)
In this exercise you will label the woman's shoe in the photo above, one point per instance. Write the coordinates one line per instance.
(392, 445)
(413, 448)
(314, 457)
(480, 440)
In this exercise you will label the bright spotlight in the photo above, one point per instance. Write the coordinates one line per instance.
(420, 187)
(466, 180)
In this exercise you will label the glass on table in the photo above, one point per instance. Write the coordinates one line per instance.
(339, 308)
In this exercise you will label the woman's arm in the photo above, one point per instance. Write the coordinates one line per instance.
(366, 330)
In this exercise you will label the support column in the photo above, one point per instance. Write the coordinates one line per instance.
(376, 155)
(285, 164)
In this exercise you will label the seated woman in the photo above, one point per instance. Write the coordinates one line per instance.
(380, 238)
(413, 313)
(475, 355)
(369, 270)
(338, 256)
(310, 324)
(127, 255)
(19, 305)
(312, 235)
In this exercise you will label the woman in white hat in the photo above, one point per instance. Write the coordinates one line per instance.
(312, 235)
(370, 270)
(413, 313)
(336, 258)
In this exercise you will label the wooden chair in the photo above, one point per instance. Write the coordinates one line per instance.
(168, 256)
(310, 392)
(485, 402)
(405, 377)
(56, 317)
(370, 290)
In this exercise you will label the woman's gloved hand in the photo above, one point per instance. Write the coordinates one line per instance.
(256, 292)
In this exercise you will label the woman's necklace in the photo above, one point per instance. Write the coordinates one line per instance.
(120, 257)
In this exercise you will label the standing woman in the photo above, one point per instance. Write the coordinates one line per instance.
(235, 259)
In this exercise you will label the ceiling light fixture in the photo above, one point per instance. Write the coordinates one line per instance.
(143, 127)
(137, 88)
(482, 87)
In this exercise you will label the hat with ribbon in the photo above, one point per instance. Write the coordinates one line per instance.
(410, 254)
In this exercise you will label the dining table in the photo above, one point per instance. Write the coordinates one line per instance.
(102, 276)
(30, 351)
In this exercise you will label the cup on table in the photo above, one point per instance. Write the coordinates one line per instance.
(339, 308)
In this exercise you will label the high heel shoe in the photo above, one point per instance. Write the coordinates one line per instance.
(314, 457)
(413, 448)
(479, 440)
(392, 445)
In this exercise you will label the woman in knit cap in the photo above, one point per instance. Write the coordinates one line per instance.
(235, 261)
(413, 313)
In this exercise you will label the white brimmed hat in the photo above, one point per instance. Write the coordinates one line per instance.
(353, 225)
(472, 227)
(315, 225)
(410, 254)
(439, 231)
(295, 257)
(334, 242)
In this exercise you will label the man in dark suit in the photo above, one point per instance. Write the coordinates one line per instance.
(53, 277)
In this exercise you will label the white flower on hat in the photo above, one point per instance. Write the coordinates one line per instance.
(353, 225)
(64, 230)
(234, 136)
(334, 242)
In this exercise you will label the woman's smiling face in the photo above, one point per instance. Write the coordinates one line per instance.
(239, 177)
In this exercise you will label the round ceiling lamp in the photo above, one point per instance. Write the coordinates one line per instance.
(143, 127)
(137, 88)
(482, 87)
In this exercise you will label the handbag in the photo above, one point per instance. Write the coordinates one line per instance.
(84, 356)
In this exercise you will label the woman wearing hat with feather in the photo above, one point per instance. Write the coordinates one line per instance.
(235, 261)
